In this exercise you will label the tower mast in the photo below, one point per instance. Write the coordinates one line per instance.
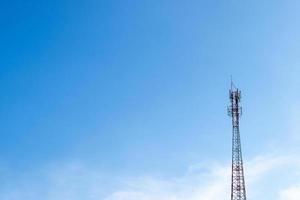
(238, 190)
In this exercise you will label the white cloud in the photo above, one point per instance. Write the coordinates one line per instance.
(214, 184)
(291, 193)
(267, 177)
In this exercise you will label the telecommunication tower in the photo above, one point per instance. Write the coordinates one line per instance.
(238, 190)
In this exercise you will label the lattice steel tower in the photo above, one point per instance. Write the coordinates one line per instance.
(238, 190)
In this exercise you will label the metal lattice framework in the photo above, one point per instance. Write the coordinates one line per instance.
(238, 190)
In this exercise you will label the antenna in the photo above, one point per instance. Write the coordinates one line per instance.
(232, 86)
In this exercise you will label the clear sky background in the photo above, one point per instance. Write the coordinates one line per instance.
(127, 100)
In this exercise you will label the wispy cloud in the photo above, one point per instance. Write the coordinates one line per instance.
(267, 177)
(214, 183)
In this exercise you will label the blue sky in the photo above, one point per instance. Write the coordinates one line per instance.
(96, 93)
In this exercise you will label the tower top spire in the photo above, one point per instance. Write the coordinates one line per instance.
(232, 86)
